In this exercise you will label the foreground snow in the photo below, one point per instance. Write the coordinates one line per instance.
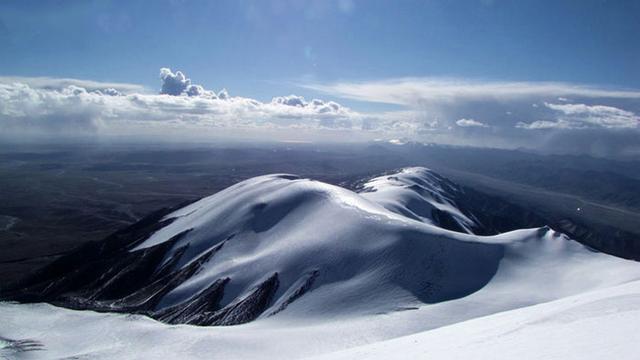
(597, 325)
(369, 274)
(601, 324)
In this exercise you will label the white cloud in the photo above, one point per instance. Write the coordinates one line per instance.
(60, 83)
(443, 111)
(315, 106)
(440, 108)
(181, 105)
(173, 84)
(582, 116)
(291, 100)
(543, 125)
(470, 123)
(178, 84)
(223, 94)
(418, 91)
(596, 115)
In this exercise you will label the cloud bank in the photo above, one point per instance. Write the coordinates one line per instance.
(539, 115)
(554, 117)
(67, 106)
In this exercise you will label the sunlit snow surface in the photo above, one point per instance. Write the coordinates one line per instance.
(415, 192)
(386, 271)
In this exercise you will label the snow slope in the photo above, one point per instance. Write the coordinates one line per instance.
(332, 269)
(368, 259)
(421, 194)
(602, 324)
(595, 325)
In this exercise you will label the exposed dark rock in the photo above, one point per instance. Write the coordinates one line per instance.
(13, 347)
(608, 239)
(109, 276)
(245, 309)
(445, 220)
(190, 311)
(307, 283)
(93, 252)
(115, 275)
(146, 299)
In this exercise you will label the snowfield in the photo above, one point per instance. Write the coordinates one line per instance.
(596, 325)
(343, 275)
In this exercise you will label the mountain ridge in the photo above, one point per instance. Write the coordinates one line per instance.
(277, 245)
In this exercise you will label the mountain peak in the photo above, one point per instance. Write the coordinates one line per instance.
(283, 246)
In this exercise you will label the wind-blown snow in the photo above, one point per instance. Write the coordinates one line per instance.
(415, 193)
(372, 266)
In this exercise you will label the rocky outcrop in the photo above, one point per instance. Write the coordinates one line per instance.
(109, 276)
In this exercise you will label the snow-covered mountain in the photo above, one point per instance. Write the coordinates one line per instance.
(328, 267)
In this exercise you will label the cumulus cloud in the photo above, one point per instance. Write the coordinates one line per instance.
(223, 94)
(180, 105)
(291, 100)
(314, 106)
(470, 123)
(177, 84)
(173, 84)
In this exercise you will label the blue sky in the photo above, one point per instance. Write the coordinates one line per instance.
(261, 48)
(419, 67)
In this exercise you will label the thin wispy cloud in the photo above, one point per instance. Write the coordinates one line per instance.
(51, 83)
(415, 91)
